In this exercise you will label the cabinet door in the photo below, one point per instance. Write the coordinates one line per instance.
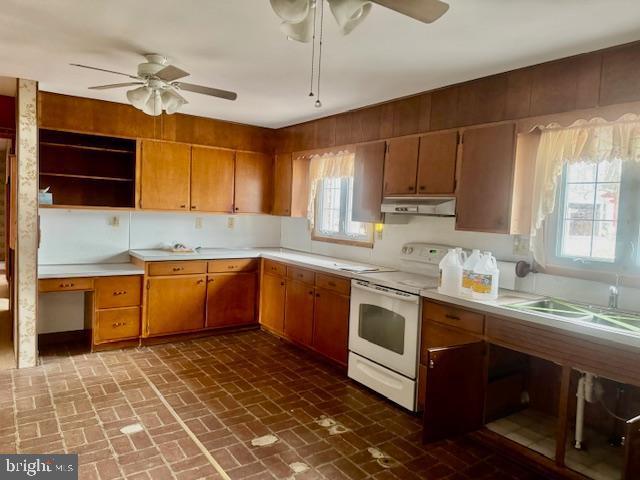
(331, 325)
(175, 304)
(272, 298)
(486, 179)
(437, 163)
(212, 179)
(231, 299)
(298, 315)
(367, 182)
(401, 166)
(282, 185)
(454, 391)
(164, 175)
(253, 183)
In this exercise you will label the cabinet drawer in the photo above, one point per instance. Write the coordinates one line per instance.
(234, 265)
(301, 274)
(177, 268)
(329, 282)
(116, 324)
(65, 284)
(113, 292)
(455, 317)
(274, 268)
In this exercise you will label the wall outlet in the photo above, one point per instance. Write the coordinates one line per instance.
(231, 222)
(114, 221)
(520, 245)
(198, 223)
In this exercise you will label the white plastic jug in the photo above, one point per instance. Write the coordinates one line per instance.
(451, 272)
(486, 277)
(467, 272)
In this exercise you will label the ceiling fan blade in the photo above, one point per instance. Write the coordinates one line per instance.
(171, 73)
(104, 70)
(116, 85)
(214, 92)
(426, 11)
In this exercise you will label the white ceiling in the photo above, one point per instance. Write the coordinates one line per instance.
(236, 45)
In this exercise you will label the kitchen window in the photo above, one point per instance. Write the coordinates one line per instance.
(595, 225)
(334, 206)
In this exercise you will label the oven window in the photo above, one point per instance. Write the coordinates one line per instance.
(382, 327)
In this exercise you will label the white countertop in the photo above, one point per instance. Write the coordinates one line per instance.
(89, 270)
(507, 297)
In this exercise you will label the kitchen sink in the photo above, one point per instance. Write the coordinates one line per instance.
(562, 310)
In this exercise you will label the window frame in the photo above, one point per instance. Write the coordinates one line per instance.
(627, 256)
(345, 202)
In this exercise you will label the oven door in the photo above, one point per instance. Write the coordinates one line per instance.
(384, 326)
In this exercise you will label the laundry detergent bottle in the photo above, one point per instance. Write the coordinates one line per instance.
(486, 277)
(451, 272)
(467, 272)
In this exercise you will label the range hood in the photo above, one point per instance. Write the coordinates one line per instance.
(427, 206)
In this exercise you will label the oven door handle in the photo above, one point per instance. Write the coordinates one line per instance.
(405, 297)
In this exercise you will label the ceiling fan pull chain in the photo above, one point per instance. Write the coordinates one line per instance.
(318, 103)
(313, 46)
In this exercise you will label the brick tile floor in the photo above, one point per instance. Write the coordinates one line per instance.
(226, 390)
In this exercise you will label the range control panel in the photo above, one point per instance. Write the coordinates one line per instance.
(424, 252)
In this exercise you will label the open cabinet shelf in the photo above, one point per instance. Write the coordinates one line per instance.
(88, 170)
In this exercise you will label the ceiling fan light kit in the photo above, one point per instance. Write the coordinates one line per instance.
(158, 89)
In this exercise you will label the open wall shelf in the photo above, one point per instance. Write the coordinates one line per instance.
(88, 170)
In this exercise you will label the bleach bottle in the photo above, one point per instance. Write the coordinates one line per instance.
(467, 272)
(486, 278)
(451, 272)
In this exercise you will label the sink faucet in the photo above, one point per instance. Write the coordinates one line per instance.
(613, 296)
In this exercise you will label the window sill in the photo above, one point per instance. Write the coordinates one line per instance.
(342, 241)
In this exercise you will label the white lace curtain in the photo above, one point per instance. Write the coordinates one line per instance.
(590, 141)
(328, 165)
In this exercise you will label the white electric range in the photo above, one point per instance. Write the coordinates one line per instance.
(385, 320)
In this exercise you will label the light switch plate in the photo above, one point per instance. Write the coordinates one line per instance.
(114, 221)
(231, 222)
(198, 223)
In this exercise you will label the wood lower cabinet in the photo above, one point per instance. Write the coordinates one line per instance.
(164, 175)
(175, 304)
(272, 300)
(298, 316)
(401, 166)
(212, 179)
(331, 325)
(231, 299)
(485, 192)
(116, 324)
(253, 182)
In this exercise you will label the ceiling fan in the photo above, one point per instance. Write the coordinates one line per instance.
(158, 86)
(298, 15)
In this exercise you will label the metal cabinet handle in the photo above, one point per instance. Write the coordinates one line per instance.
(232, 267)
(282, 284)
(451, 317)
(432, 364)
(119, 324)
(317, 295)
(193, 207)
(119, 292)
(422, 187)
(311, 292)
(200, 282)
(178, 269)
(183, 206)
(210, 280)
(66, 285)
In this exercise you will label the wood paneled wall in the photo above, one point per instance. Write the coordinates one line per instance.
(63, 112)
(595, 79)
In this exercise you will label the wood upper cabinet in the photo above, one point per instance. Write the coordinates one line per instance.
(331, 325)
(272, 301)
(485, 192)
(175, 304)
(300, 187)
(367, 182)
(253, 182)
(164, 175)
(298, 316)
(401, 166)
(212, 179)
(459, 369)
(437, 163)
(283, 177)
(231, 299)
